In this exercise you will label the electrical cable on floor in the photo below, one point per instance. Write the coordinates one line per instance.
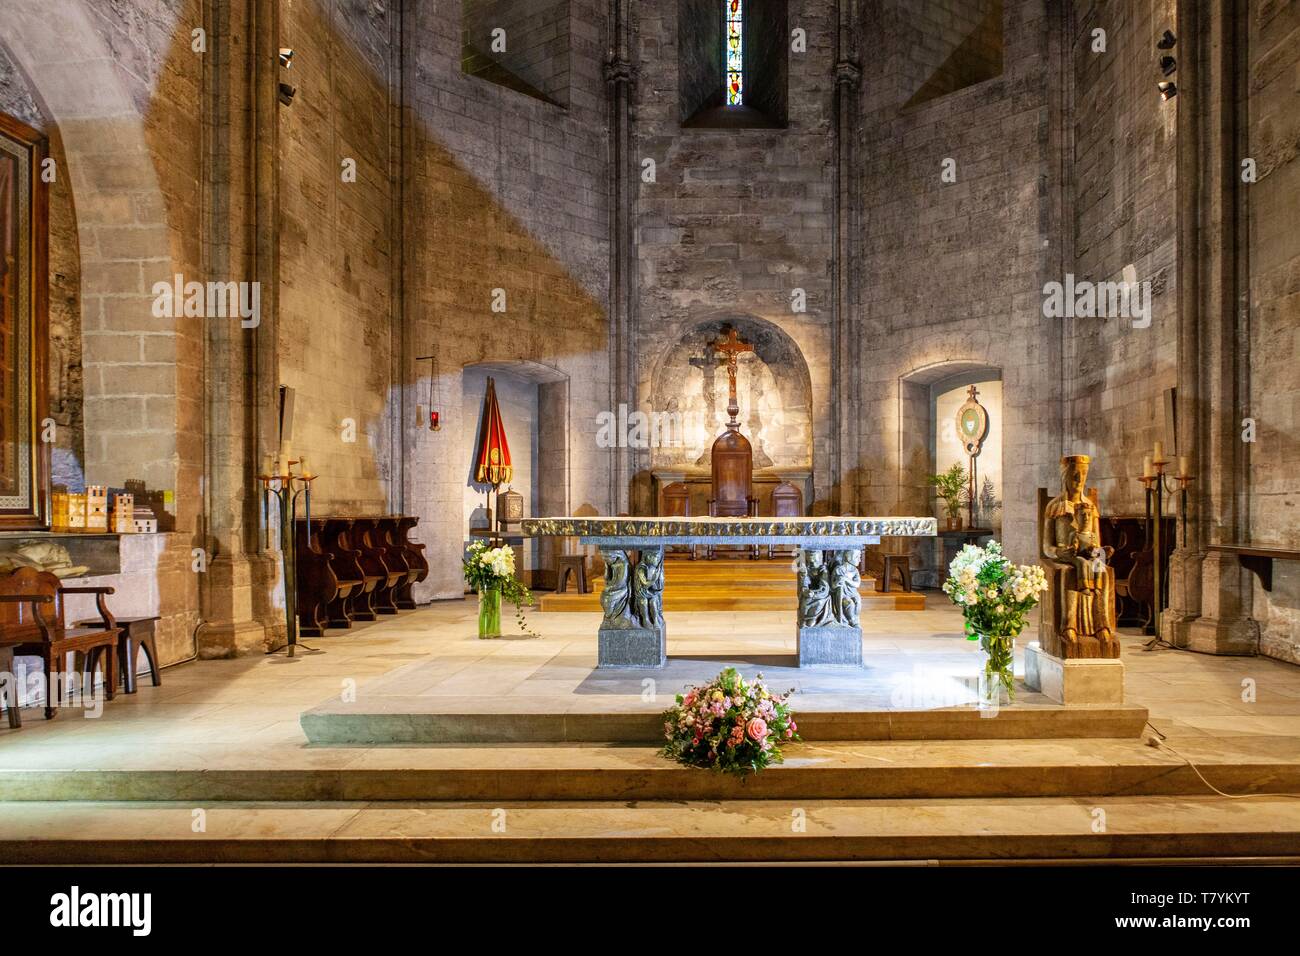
(1163, 742)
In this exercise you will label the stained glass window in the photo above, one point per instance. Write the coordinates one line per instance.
(734, 63)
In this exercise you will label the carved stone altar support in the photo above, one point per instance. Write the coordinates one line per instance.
(828, 630)
(632, 632)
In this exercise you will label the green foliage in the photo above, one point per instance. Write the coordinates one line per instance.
(951, 486)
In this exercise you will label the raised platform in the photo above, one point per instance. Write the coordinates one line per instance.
(729, 584)
(897, 696)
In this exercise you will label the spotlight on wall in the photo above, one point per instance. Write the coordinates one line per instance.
(1167, 90)
(1168, 65)
(1167, 41)
(286, 57)
(287, 94)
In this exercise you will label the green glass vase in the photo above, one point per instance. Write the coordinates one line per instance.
(489, 613)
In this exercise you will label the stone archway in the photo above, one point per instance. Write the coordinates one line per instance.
(128, 356)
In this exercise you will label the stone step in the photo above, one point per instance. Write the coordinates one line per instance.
(851, 770)
(1056, 828)
(419, 719)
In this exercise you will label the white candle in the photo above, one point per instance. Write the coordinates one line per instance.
(1148, 469)
(1184, 466)
(1160, 451)
(302, 463)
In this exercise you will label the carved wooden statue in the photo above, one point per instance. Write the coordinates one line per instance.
(1078, 610)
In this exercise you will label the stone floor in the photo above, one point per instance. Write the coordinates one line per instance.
(227, 735)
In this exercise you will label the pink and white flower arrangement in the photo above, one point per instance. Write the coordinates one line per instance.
(729, 724)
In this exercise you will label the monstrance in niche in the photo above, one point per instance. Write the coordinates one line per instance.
(24, 458)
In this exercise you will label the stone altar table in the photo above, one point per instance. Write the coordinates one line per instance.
(633, 632)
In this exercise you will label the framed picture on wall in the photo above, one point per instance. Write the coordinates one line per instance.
(24, 331)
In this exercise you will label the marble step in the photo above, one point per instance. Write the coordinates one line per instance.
(851, 770)
(1056, 828)
(397, 718)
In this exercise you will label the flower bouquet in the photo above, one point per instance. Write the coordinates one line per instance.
(491, 572)
(995, 597)
(729, 724)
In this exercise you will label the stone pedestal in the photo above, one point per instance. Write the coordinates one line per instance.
(1095, 680)
(632, 647)
(830, 644)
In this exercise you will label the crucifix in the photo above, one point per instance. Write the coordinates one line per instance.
(731, 347)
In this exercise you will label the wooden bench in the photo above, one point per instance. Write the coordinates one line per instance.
(29, 628)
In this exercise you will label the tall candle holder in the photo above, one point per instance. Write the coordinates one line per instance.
(1156, 487)
(285, 488)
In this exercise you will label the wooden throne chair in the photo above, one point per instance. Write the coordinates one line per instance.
(733, 481)
(787, 502)
(677, 504)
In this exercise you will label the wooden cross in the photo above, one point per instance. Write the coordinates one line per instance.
(731, 347)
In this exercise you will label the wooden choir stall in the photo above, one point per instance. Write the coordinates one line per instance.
(355, 568)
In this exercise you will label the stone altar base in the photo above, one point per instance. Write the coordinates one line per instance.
(830, 644)
(632, 646)
(1081, 681)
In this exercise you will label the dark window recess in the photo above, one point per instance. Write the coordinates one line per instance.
(953, 44)
(522, 45)
(701, 55)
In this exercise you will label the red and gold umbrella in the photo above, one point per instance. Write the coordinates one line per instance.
(493, 466)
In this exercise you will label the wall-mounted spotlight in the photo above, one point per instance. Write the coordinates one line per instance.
(287, 94)
(286, 57)
(1168, 65)
(1166, 41)
(1167, 90)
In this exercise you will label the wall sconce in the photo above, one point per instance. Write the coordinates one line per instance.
(286, 57)
(1167, 90)
(435, 418)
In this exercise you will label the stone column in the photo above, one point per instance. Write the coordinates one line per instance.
(1210, 593)
(622, 245)
(240, 370)
(846, 384)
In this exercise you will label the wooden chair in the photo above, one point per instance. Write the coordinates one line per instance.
(677, 504)
(882, 565)
(787, 502)
(571, 564)
(31, 630)
(733, 481)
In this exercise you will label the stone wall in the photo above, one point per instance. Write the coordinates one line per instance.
(1123, 196)
(336, 321)
(507, 261)
(952, 272)
(1273, 141)
(736, 221)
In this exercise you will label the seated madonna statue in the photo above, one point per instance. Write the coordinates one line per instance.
(1078, 612)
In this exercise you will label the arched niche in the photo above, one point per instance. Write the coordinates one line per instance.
(534, 401)
(928, 397)
(686, 404)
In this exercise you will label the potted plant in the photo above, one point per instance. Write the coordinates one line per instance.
(951, 487)
(491, 572)
(995, 597)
